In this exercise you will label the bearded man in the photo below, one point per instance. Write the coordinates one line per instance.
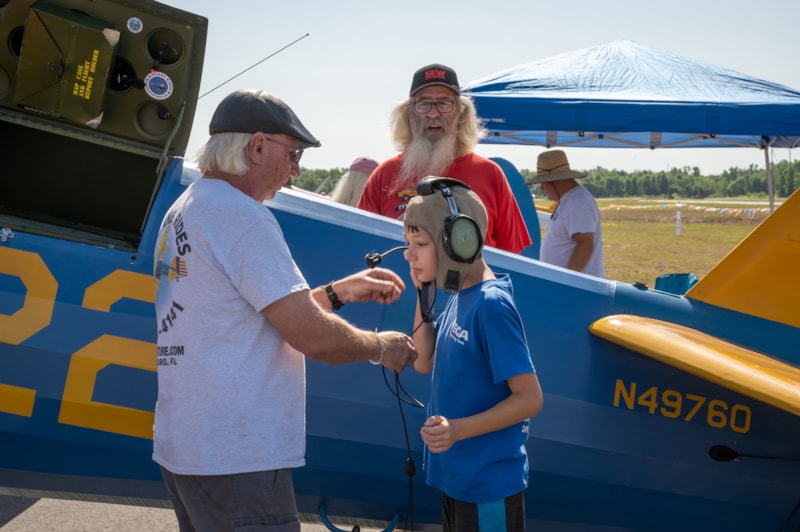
(436, 130)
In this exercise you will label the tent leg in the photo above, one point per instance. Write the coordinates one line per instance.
(770, 187)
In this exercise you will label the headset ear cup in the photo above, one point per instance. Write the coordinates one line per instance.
(462, 238)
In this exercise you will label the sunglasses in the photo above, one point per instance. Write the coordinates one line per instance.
(294, 153)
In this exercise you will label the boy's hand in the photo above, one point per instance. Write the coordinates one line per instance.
(438, 434)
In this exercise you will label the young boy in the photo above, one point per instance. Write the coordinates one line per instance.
(484, 386)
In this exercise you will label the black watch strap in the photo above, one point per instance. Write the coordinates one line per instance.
(333, 297)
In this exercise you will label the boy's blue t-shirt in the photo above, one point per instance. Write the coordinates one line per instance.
(480, 343)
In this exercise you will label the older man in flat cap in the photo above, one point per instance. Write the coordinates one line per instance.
(236, 319)
(574, 239)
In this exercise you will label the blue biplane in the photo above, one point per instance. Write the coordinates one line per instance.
(662, 411)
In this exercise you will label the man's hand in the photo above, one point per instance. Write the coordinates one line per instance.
(399, 351)
(374, 284)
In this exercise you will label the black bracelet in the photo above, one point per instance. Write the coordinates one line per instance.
(335, 303)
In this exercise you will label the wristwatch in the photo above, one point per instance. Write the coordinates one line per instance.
(335, 303)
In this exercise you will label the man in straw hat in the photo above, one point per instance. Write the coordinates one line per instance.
(573, 239)
(436, 129)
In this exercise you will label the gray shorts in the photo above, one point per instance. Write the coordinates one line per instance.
(246, 502)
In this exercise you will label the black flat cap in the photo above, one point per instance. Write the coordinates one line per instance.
(251, 110)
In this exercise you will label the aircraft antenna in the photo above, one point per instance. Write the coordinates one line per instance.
(723, 453)
(273, 54)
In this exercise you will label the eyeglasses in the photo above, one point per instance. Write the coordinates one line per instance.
(442, 106)
(294, 154)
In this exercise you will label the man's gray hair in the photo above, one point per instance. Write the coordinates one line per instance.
(224, 152)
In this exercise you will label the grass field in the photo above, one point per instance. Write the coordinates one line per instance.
(641, 240)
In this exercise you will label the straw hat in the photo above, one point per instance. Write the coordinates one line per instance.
(553, 166)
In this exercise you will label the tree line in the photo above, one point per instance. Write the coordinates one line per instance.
(686, 182)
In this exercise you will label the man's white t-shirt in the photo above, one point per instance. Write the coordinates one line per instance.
(231, 391)
(576, 212)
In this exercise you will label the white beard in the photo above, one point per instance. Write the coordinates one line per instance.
(424, 157)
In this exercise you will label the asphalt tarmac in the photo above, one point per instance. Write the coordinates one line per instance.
(22, 514)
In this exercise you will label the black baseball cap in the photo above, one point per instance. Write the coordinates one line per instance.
(251, 110)
(434, 74)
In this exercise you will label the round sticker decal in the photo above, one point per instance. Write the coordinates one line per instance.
(135, 25)
(158, 85)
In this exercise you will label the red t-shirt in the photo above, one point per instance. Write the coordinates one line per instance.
(506, 229)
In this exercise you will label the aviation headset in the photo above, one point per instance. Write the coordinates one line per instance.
(459, 228)
(461, 237)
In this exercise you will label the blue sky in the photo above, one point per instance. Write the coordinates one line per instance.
(359, 56)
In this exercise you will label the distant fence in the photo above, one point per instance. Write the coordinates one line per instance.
(749, 213)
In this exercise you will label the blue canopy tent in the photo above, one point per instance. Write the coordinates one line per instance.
(625, 95)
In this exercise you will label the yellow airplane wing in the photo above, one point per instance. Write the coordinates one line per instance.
(740, 369)
(759, 276)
